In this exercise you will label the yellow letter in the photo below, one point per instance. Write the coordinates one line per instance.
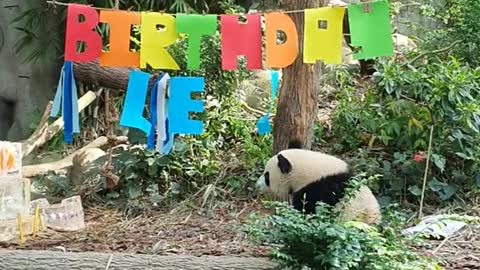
(158, 32)
(323, 35)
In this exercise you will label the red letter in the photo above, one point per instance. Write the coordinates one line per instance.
(241, 39)
(82, 31)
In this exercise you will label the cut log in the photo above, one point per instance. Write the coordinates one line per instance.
(46, 132)
(46, 260)
(109, 77)
(61, 165)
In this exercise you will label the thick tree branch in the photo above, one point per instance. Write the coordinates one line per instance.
(46, 260)
(109, 77)
(60, 165)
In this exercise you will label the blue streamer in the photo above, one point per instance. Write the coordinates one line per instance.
(153, 113)
(67, 105)
(263, 125)
(66, 98)
(75, 112)
(168, 144)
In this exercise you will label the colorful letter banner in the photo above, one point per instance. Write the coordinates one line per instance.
(180, 105)
(280, 55)
(241, 36)
(132, 115)
(241, 39)
(322, 40)
(82, 32)
(155, 40)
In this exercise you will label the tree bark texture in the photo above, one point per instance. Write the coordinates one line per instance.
(46, 260)
(298, 95)
(109, 77)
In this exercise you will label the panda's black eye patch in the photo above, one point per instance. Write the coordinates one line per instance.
(267, 178)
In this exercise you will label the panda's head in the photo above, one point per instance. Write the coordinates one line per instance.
(275, 177)
(292, 169)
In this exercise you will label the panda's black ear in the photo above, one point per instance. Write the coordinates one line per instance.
(284, 164)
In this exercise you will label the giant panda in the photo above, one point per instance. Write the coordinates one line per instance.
(307, 177)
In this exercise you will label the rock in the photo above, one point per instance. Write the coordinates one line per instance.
(25, 88)
(403, 44)
(258, 87)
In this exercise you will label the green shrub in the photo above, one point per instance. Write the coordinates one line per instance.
(395, 116)
(459, 26)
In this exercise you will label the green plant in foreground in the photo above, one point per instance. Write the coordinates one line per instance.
(320, 242)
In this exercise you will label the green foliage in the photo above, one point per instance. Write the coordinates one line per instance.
(53, 185)
(321, 242)
(149, 179)
(437, 86)
(141, 174)
(396, 114)
(460, 26)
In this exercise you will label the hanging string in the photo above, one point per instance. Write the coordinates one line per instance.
(52, 2)
(111, 118)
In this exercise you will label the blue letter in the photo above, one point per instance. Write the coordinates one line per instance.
(180, 105)
(132, 115)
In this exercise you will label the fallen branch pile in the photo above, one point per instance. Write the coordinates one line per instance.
(46, 131)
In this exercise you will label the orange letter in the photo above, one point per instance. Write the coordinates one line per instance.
(280, 55)
(120, 25)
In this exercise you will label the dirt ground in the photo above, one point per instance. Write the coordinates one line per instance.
(186, 232)
(461, 251)
(195, 233)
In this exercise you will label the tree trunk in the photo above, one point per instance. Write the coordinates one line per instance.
(297, 102)
(43, 260)
(92, 73)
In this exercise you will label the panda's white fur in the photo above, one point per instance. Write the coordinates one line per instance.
(307, 166)
(315, 176)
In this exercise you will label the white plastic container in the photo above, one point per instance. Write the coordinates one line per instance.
(65, 216)
(14, 198)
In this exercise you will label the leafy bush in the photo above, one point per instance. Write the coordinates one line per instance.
(149, 179)
(396, 113)
(459, 27)
(321, 242)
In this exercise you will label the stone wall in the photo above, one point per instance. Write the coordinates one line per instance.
(25, 88)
